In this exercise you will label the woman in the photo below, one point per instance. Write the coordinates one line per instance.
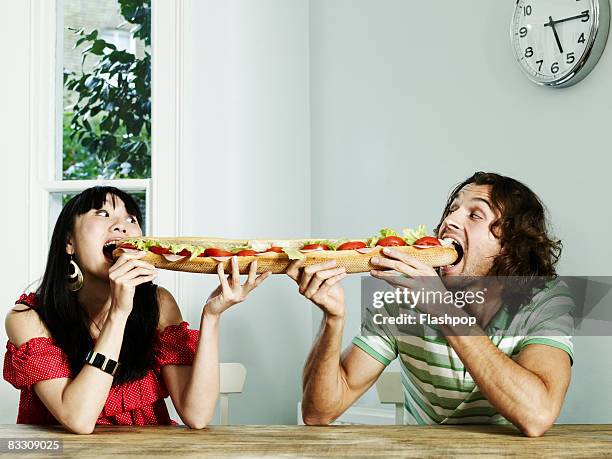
(99, 343)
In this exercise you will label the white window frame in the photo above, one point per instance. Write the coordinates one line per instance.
(45, 139)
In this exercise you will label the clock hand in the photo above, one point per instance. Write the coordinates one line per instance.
(583, 15)
(551, 23)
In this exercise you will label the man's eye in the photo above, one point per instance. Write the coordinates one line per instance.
(133, 219)
(102, 212)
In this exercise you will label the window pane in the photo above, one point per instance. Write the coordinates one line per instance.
(107, 89)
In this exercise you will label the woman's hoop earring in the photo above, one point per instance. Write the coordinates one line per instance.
(75, 280)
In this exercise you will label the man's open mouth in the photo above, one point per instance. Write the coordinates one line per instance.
(460, 252)
(459, 248)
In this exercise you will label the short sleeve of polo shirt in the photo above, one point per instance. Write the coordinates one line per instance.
(551, 321)
(376, 341)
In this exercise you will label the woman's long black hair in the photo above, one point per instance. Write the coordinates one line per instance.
(68, 321)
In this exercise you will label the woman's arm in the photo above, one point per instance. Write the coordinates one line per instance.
(77, 402)
(194, 389)
(204, 371)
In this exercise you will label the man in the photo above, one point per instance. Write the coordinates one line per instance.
(481, 377)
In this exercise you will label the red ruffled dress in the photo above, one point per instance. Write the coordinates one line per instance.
(139, 402)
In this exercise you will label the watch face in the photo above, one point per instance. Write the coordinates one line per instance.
(552, 39)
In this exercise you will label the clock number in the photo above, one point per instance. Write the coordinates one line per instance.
(527, 10)
(554, 68)
(570, 58)
(587, 17)
(581, 39)
(529, 52)
(541, 62)
(523, 32)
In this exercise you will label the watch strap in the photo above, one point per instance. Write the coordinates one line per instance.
(102, 362)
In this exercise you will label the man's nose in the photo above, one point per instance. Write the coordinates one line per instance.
(453, 224)
(452, 221)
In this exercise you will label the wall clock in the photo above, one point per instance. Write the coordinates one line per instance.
(558, 42)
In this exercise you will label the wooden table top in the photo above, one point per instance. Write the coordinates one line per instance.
(334, 441)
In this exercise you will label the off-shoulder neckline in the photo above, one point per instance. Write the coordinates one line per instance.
(50, 340)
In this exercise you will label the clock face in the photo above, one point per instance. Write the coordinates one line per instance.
(553, 39)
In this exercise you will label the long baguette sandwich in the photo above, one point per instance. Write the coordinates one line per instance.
(203, 254)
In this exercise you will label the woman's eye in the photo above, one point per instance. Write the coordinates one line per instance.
(475, 216)
(133, 220)
(99, 212)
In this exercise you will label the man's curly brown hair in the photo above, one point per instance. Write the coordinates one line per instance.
(527, 248)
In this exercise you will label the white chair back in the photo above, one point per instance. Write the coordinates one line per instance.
(389, 389)
(231, 380)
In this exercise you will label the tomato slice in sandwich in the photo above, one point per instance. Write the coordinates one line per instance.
(428, 240)
(275, 249)
(315, 247)
(214, 252)
(128, 246)
(354, 245)
(159, 250)
(247, 253)
(391, 241)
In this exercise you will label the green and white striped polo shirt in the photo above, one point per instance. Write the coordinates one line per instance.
(437, 387)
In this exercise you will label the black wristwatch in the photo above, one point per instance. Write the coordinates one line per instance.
(95, 359)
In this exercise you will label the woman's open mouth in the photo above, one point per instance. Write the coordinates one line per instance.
(108, 249)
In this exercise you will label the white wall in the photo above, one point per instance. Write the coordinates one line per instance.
(14, 154)
(410, 98)
(247, 174)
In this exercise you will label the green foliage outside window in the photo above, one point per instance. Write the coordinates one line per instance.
(107, 128)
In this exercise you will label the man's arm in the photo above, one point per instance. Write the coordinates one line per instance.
(332, 383)
(529, 392)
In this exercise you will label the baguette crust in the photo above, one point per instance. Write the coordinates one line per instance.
(277, 263)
